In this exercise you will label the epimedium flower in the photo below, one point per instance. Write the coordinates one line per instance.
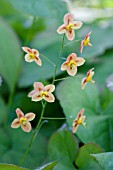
(23, 120)
(78, 121)
(69, 26)
(88, 78)
(85, 42)
(32, 55)
(42, 92)
(71, 64)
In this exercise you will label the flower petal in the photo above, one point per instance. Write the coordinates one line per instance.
(49, 88)
(83, 83)
(81, 46)
(72, 71)
(70, 35)
(15, 123)
(80, 61)
(83, 118)
(31, 93)
(64, 66)
(61, 29)
(36, 97)
(27, 49)
(75, 127)
(50, 98)
(38, 61)
(77, 24)
(27, 127)
(80, 113)
(38, 86)
(68, 18)
(28, 58)
(88, 35)
(90, 72)
(30, 116)
(35, 52)
(72, 56)
(19, 113)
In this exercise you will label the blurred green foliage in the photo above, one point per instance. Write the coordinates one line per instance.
(34, 24)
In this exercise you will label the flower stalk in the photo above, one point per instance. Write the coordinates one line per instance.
(43, 108)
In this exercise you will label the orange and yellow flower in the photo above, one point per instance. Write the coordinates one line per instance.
(79, 120)
(32, 55)
(85, 42)
(69, 26)
(71, 64)
(42, 92)
(23, 121)
(88, 78)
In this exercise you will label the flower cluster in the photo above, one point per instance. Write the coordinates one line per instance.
(41, 92)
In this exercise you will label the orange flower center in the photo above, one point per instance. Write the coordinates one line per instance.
(79, 121)
(32, 56)
(23, 120)
(72, 63)
(88, 78)
(70, 27)
(86, 41)
(44, 93)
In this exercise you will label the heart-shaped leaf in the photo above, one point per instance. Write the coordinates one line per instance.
(73, 99)
(63, 148)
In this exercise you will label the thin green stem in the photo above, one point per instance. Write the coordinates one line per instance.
(62, 45)
(34, 134)
(63, 58)
(65, 78)
(47, 59)
(43, 109)
(72, 42)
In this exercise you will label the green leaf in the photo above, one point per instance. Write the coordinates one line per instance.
(6, 8)
(73, 99)
(84, 159)
(63, 148)
(10, 54)
(104, 68)
(10, 167)
(48, 166)
(37, 8)
(3, 110)
(17, 145)
(105, 160)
